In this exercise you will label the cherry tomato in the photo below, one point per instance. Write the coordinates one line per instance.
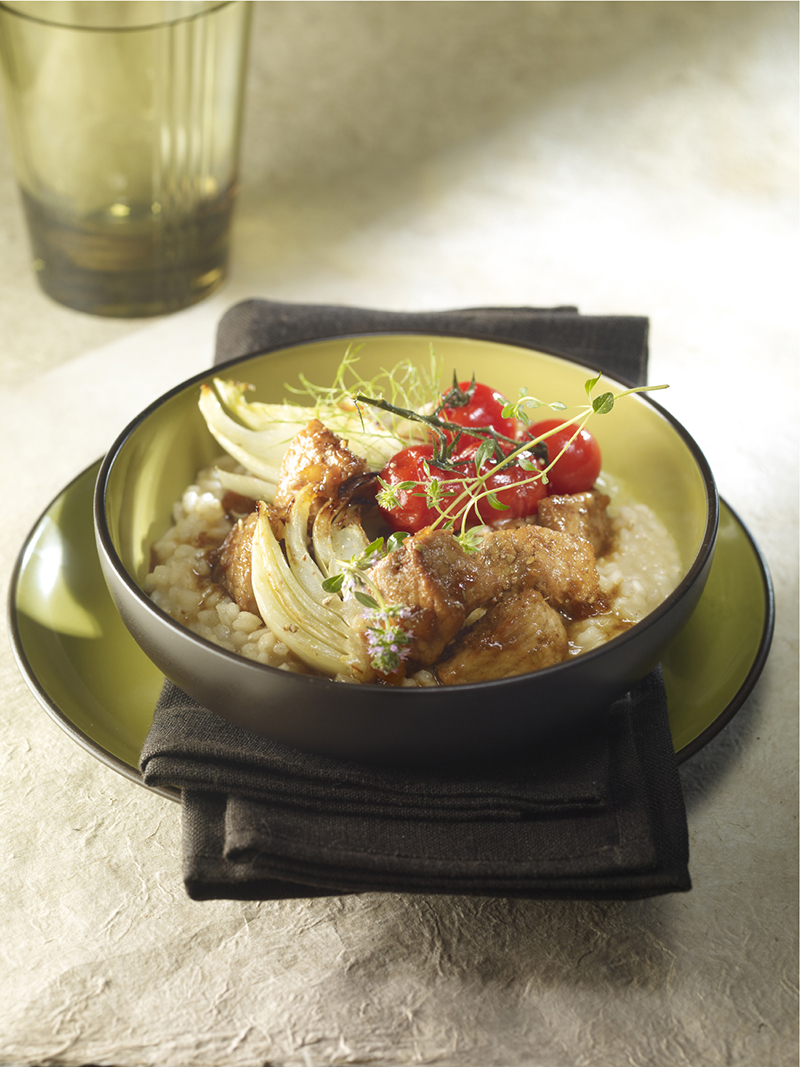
(483, 408)
(512, 486)
(577, 470)
(412, 512)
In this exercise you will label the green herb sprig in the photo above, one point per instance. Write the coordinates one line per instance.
(388, 642)
(409, 386)
(461, 496)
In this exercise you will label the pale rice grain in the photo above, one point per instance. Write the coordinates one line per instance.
(640, 571)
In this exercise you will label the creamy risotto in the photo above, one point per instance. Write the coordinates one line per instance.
(636, 574)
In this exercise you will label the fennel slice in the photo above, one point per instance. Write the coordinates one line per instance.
(368, 435)
(247, 485)
(298, 555)
(255, 414)
(307, 628)
(334, 541)
(256, 433)
(259, 451)
(323, 620)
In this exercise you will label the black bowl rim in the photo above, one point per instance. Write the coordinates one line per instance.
(421, 693)
(115, 763)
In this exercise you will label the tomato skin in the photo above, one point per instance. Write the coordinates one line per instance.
(412, 513)
(579, 467)
(484, 409)
(521, 500)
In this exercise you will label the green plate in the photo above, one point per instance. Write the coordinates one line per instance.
(90, 675)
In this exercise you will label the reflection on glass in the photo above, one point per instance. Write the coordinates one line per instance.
(124, 120)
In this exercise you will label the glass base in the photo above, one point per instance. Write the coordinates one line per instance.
(130, 268)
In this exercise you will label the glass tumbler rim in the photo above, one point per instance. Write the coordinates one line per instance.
(32, 13)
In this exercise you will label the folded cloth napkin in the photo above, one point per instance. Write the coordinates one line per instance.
(615, 343)
(599, 818)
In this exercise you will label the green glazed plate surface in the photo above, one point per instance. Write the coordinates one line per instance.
(92, 678)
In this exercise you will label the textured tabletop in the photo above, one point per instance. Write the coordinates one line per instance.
(627, 158)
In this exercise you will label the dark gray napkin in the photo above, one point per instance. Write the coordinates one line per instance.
(602, 817)
(617, 343)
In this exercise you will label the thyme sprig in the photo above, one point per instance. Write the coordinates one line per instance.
(599, 405)
(388, 642)
(461, 496)
(447, 436)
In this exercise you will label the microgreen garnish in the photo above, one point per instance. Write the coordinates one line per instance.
(601, 405)
(471, 539)
(485, 450)
(518, 410)
(408, 386)
(590, 383)
(388, 496)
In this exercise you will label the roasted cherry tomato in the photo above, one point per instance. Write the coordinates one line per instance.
(482, 407)
(577, 470)
(412, 468)
(512, 487)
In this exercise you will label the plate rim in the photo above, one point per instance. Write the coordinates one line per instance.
(127, 770)
(49, 705)
(115, 763)
(762, 651)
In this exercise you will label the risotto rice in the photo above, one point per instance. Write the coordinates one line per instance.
(637, 574)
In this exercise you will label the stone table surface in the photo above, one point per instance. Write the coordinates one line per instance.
(629, 158)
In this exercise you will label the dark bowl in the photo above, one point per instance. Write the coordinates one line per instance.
(159, 453)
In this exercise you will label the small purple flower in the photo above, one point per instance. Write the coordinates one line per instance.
(387, 642)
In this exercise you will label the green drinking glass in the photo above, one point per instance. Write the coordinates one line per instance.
(124, 120)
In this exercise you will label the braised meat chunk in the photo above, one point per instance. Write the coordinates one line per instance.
(233, 567)
(523, 579)
(317, 457)
(583, 515)
(519, 633)
(560, 566)
(429, 574)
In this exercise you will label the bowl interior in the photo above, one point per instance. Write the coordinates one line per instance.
(642, 447)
